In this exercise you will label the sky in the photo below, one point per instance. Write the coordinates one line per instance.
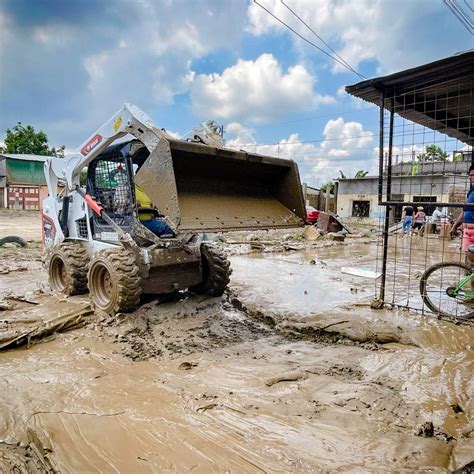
(67, 66)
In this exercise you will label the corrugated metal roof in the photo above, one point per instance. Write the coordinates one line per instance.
(438, 95)
(24, 157)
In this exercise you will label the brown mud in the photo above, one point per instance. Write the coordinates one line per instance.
(289, 371)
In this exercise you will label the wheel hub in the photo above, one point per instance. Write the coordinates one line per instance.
(451, 291)
(102, 285)
(58, 274)
(107, 284)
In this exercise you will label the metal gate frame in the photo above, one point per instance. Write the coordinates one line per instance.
(438, 96)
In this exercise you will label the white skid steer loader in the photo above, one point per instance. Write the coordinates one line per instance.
(93, 234)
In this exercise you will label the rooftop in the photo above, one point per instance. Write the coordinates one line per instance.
(438, 95)
(24, 157)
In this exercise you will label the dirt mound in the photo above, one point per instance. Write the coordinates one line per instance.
(187, 324)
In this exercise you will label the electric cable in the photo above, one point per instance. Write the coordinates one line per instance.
(305, 39)
(460, 15)
(322, 40)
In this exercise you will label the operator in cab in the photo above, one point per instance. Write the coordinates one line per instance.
(149, 216)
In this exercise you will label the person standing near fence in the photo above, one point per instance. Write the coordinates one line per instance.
(419, 219)
(436, 219)
(466, 218)
(407, 219)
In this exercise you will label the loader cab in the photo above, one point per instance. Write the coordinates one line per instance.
(110, 183)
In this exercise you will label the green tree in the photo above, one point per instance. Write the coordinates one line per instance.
(331, 184)
(432, 153)
(358, 175)
(24, 140)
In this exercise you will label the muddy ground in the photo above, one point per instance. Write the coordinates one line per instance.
(289, 371)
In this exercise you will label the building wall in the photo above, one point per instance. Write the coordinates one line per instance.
(404, 189)
(410, 185)
(432, 168)
(24, 172)
(345, 203)
(22, 183)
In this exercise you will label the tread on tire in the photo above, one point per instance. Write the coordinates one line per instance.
(67, 268)
(114, 281)
(216, 271)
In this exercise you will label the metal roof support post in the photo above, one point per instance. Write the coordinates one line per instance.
(381, 132)
(389, 191)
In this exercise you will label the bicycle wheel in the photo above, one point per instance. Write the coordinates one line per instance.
(441, 291)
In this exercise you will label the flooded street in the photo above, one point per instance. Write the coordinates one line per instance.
(289, 371)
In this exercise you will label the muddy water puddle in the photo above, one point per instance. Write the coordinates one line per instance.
(307, 281)
(202, 384)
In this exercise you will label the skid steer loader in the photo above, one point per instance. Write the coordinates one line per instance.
(92, 231)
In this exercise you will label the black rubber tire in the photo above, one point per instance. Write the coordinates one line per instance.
(13, 239)
(114, 281)
(67, 268)
(423, 286)
(216, 271)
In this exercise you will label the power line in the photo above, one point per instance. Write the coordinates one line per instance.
(314, 117)
(365, 135)
(307, 141)
(305, 39)
(348, 66)
(459, 13)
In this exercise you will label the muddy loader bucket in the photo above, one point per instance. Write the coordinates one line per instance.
(203, 188)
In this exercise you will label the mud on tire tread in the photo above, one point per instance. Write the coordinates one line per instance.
(216, 271)
(126, 279)
(76, 263)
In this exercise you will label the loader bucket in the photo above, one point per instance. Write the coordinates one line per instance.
(203, 188)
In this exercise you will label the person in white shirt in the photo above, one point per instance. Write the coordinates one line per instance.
(436, 219)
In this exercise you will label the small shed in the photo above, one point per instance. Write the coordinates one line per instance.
(22, 181)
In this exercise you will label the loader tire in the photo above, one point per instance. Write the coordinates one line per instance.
(216, 271)
(67, 269)
(114, 281)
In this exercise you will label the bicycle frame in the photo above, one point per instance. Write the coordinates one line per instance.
(458, 289)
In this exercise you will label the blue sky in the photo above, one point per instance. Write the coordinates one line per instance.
(67, 66)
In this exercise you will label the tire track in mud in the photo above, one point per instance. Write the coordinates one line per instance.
(316, 330)
(285, 387)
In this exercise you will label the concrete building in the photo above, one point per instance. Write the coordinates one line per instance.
(411, 182)
(317, 198)
(22, 181)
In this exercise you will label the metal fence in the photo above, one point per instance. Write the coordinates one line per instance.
(425, 152)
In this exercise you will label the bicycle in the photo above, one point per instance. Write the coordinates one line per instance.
(447, 289)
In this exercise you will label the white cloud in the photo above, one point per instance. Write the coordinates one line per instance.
(345, 135)
(5, 29)
(153, 64)
(255, 90)
(95, 65)
(76, 70)
(346, 146)
(360, 30)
